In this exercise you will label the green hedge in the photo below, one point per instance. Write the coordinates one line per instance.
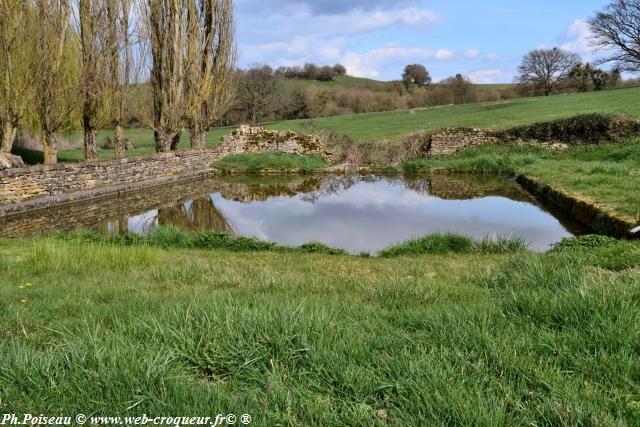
(582, 129)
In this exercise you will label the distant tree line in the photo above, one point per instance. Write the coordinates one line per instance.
(547, 71)
(310, 71)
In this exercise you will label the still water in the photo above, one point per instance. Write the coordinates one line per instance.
(356, 213)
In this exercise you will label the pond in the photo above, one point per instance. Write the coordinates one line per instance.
(355, 213)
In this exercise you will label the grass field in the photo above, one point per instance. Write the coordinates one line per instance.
(381, 127)
(376, 127)
(314, 339)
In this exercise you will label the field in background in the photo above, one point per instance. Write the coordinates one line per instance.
(349, 81)
(378, 127)
(375, 127)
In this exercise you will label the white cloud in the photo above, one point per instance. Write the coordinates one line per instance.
(492, 57)
(298, 21)
(577, 38)
(368, 64)
(472, 53)
(296, 32)
(485, 76)
(443, 54)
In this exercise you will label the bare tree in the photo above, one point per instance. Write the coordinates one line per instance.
(51, 77)
(210, 56)
(94, 44)
(546, 69)
(617, 30)
(166, 28)
(256, 88)
(15, 20)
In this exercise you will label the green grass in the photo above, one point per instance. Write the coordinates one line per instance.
(448, 243)
(340, 81)
(376, 127)
(315, 339)
(606, 175)
(256, 162)
(142, 139)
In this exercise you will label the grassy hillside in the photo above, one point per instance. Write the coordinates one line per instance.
(341, 81)
(378, 127)
(490, 115)
(350, 81)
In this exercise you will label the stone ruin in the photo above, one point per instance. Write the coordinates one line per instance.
(10, 161)
(451, 140)
(256, 139)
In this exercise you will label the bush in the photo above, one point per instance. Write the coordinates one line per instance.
(581, 129)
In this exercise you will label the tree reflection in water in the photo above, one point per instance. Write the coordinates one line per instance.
(192, 216)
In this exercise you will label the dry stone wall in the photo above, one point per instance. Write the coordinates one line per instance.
(452, 140)
(22, 184)
(251, 139)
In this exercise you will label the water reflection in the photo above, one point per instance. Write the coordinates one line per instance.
(357, 213)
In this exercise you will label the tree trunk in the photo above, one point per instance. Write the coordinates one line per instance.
(197, 139)
(90, 147)
(8, 136)
(163, 142)
(50, 150)
(175, 142)
(119, 143)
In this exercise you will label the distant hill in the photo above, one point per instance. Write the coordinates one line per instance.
(349, 81)
(489, 115)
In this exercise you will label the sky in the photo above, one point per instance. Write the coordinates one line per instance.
(484, 40)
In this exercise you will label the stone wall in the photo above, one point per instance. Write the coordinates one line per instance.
(115, 209)
(452, 140)
(250, 139)
(54, 183)
(22, 184)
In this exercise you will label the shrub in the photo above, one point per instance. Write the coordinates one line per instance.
(414, 145)
(581, 129)
(394, 153)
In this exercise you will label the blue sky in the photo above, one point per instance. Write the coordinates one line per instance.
(484, 40)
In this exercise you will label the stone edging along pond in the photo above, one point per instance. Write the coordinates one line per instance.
(596, 218)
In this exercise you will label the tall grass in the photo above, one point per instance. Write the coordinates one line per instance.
(170, 237)
(312, 339)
